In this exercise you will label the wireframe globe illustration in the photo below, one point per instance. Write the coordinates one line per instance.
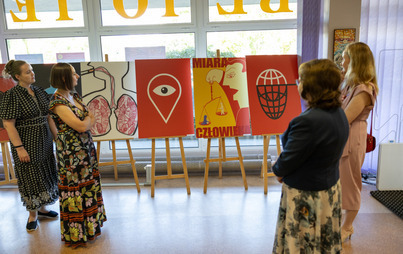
(271, 86)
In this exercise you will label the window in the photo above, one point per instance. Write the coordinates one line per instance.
(156, 12)
(248, 10)
(242, 43)
(150, 46)
(44, 14)
(46, 48)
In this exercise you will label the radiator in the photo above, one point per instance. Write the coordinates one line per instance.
(390, 167)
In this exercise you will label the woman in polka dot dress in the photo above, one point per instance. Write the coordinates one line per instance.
(82, 212)
(24, 111)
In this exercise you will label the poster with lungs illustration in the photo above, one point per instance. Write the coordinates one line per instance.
(5, 84)
(220, 97)
(109, 91)
(164, 98)
(273, 94)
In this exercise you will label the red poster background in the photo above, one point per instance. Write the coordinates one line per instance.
(168, 115)
(5, 84)
(287, 65)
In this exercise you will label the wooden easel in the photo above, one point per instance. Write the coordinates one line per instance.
(222, 155)
(223, 158)
(115, 163)
(264, 173)
(169, 174)
(8, 170)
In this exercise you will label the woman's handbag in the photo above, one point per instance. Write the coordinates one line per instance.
(371, 141)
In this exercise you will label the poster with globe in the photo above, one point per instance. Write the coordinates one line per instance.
(273, 95)
(220, 97)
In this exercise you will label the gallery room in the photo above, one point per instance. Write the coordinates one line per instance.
(201, 126)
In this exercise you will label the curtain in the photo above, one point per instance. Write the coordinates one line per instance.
(382, 29)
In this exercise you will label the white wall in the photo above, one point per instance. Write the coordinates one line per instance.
(343, 14)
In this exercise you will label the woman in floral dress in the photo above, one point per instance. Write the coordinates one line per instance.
(309, 217)
(82, 212)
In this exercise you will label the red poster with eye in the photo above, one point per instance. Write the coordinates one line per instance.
(5, 84)
(164, 97)
(273, 94)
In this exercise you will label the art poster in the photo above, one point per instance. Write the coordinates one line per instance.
(220, 97)
(5, 84)
(165, 102)
(342, 37)
(109, 91)
(273, 94)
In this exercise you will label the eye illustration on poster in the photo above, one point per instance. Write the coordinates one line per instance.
(110, 87)
(6, 83)
(273, 94)
(164, 98)
(221, 97)
(42, 77)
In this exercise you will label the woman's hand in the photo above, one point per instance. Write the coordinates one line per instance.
(23, 155)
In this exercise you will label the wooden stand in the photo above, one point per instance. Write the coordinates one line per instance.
(8, 170)
(169, 167)
(264, 173)
(222, 158)
(115, 163)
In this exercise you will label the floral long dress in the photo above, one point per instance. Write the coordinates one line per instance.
(82, 211)
(309, 221)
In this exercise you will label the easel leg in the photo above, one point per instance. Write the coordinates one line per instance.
(10, 163)
(221, 152)
(152, 167)
(98, 150)
(241, 163)
(115, 165)
(207, 161)
(185, 170)
(278, 145)
(3, 152)
(132, 162)
(168, 154)
(266, 141)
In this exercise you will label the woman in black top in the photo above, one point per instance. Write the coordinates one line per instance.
(310, 208)
(24, 111)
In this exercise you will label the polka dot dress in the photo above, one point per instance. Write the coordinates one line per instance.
(37, 180)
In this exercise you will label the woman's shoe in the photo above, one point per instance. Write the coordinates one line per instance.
(346, 234)
(32, 226)
(50, 214)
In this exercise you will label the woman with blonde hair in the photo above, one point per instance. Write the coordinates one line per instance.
(359, 91)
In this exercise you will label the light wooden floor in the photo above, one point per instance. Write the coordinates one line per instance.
(227, 219)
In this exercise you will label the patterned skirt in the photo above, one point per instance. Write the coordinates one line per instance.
(309, 221)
